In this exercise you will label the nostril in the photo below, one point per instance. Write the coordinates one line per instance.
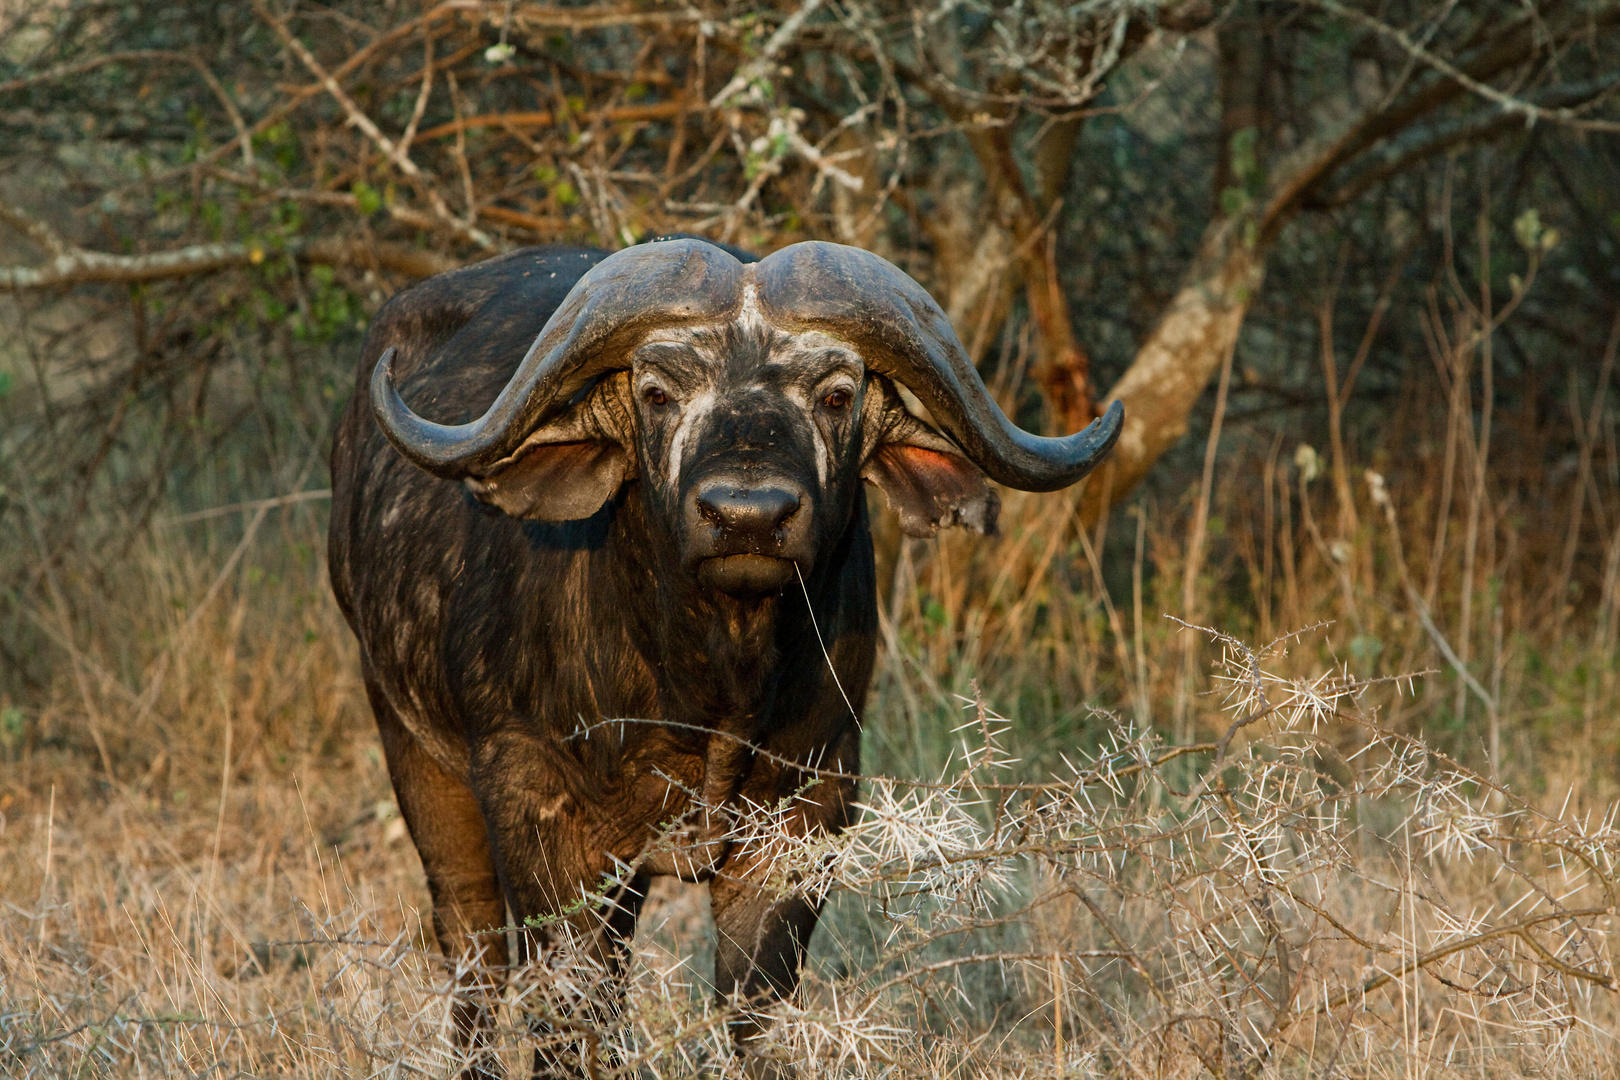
(743, 510)
(788, 508)
(710, 510)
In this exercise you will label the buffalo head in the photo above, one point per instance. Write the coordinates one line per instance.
(751, 401)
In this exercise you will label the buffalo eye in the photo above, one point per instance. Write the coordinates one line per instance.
(838, 399)
(655, 396)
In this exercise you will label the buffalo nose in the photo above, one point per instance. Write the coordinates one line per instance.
(748, 514)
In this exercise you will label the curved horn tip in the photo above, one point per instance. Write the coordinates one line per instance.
(1085, 450)
(1108, 426)
(1097, 438)
(395, 417)
(385, 363)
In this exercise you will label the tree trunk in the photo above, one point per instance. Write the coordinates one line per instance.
(994, 243)
(1200, 326)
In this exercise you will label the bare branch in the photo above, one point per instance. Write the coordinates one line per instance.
(243, 139)
(1531, 112)
(35, 229)
(765, 63)
(83, 67)
(76, 266)
(357, 116)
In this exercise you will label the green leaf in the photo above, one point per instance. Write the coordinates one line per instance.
(213, 218)
(1366, 647)
(566, 193)
(1527, 229)
(366, 198)
(1245, 159)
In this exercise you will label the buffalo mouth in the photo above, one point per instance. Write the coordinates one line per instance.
(745, 575)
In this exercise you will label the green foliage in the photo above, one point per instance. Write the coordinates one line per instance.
(332, 308)
(13, 723)
(281, 145)
(367, 199)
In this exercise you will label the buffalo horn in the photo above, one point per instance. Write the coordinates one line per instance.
(902, 333)
(608, 311)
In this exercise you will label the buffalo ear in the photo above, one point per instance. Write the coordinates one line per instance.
(925, 478)
(566, 470)
(555, 481)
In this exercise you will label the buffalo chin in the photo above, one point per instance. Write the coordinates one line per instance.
(745, 575)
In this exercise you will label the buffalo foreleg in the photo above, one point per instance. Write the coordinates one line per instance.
(762, 933)
(577, 915)
(762, 940)
(468, 909)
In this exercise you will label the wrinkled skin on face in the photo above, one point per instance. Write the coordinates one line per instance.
(751, 444)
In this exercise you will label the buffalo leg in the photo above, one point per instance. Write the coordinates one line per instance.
(468, 909)
(762, 941)
(572, 1016)
(577, 923)
(763, 936)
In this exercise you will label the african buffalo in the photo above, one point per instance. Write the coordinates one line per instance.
(640, 496)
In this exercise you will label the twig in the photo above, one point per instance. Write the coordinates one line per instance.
(1520, 930)
(357, 116)
(1195, 545)
(765, 62)
(242, 136)
(1509, 103)
(1381, 498)
(255, 504)
(71, 265)
(84, 67)
(543, 118)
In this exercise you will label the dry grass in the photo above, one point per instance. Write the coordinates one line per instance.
(203, 872)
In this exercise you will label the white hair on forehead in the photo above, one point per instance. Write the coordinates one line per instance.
(788, 346)
(750, 317)
(672, 335)
(695, 410)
